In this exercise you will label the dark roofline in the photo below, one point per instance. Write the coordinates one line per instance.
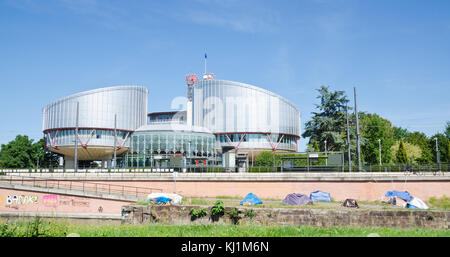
(173, 112)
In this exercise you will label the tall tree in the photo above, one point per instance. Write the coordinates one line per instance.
(328, 124)
(421, 140)
(401, 155)
(442, 145)
(447, 130)
(373, 128)
(413, 152)
(400, 133)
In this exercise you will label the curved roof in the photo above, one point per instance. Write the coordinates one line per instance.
(97, 90)
(240, 84)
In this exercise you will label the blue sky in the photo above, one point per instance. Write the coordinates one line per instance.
(397, 53)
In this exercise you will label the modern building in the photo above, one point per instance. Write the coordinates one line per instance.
(225, 123)
(245, 117)
(101, 113)
(155, 145)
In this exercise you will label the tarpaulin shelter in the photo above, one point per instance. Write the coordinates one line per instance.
(176, 199)
(350, 203)
(296, 199)
(416, 203)
(162, 200)
(402, 195)
(251, 199)
(320, 196)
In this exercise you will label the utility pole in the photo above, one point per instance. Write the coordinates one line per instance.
(357, 133)
(76, 139)
(379, 148)
(115, 140)
(348, 142)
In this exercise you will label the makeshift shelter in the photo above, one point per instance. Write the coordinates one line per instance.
(251, 199)
(402, 195)
(176, 199)
(320, 196)
(296, 199)
(162, 200)
(416, 203)
(350, 203)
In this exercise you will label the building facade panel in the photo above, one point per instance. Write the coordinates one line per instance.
(98, 110)
(226, 107)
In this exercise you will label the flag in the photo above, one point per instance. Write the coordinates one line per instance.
(205, 56)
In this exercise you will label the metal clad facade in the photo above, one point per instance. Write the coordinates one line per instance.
(232, 107)
(97, 109)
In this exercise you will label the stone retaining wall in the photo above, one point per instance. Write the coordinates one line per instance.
(180, 215)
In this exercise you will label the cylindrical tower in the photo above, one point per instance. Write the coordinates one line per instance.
(245, 117)
(97, 109)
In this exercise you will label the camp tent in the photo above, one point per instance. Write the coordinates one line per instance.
(411, 202)
(176, 199)
(251, 199)
(402, 195)
(320, 196)
(350, 203)
(416, 203)
(296, 199)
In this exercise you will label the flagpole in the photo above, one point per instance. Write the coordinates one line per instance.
(205, 62)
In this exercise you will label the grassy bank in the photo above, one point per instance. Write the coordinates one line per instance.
(46, 228)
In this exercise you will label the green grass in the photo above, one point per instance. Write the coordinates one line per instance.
(440, 203)
(44, 228)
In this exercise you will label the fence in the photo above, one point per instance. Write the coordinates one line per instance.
(442, 167)
(83, 186)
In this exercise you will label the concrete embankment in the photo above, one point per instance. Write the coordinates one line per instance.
(357, 185)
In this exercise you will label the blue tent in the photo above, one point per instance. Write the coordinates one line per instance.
(162, 199)
(320, 196)
(402, 195)
(251, 199)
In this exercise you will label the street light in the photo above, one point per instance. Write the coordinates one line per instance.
(379, 148)
(437, 152)
(326, 160)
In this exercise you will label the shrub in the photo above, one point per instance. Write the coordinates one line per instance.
(195, 214)
(234, 215)
(218, 209)
(250, 214)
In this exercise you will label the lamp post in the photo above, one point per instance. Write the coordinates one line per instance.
(437, 152)
(326, 160)
(379, 149)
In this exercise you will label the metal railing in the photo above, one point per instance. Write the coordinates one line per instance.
(414, 168)
(83, 186)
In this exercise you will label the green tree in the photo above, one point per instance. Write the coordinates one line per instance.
(442, 145)
(448, 150)
(401, 155)
(22, 153)
(373, 128)
(264, 158)
(421, 140)
(413, 151)
(447, 130)
(329, 123)
(400, 133)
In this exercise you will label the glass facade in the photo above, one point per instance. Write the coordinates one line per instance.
(66, 137)
(147, 146)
